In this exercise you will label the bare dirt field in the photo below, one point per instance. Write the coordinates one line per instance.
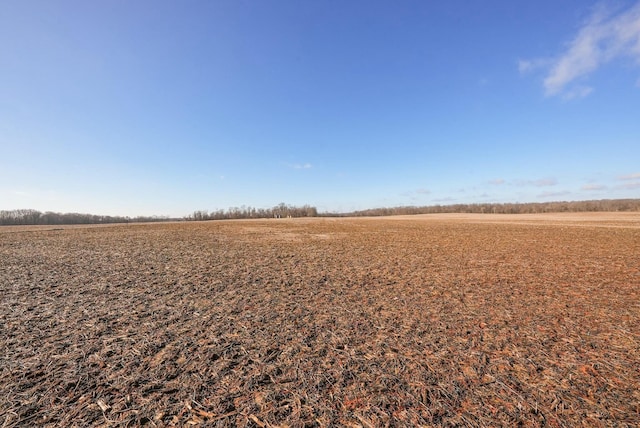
(446, 320)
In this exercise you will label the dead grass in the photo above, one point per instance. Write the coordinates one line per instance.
(324, 322)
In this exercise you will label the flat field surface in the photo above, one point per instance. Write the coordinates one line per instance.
(446, 320)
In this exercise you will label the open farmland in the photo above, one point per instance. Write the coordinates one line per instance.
(451, 320)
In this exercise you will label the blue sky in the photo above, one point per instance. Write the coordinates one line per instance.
(165, 107)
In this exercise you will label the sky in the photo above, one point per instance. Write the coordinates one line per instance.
(166, 107)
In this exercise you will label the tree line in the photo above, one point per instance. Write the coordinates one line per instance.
(34, 217)
(279, 211)
(603, 205)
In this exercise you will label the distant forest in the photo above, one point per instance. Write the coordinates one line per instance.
(279, 211)
(608, 205)
(34, 217)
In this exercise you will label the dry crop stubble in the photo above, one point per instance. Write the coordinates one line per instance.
(432, 320)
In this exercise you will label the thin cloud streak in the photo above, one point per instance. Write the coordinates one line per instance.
(543, 182)
(527, 66)
(593, 187)
(633, 176)
(299, 166)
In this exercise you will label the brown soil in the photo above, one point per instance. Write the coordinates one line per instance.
(429, 320)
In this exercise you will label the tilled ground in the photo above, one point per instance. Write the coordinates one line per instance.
(322, 322)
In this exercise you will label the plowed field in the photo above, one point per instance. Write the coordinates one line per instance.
(427, 320)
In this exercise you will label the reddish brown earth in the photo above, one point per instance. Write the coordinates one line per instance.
(427, 320)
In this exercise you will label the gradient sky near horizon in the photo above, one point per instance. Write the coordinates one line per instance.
(166, 107)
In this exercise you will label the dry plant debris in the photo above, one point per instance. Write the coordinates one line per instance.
(432, 321)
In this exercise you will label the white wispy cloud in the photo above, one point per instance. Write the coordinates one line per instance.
(497, 181)
(578, 92)
(299, 165)
(593, 187)
(634, 176)
(423, 191)
(545, 182)
(529, 65)
(604, 37)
